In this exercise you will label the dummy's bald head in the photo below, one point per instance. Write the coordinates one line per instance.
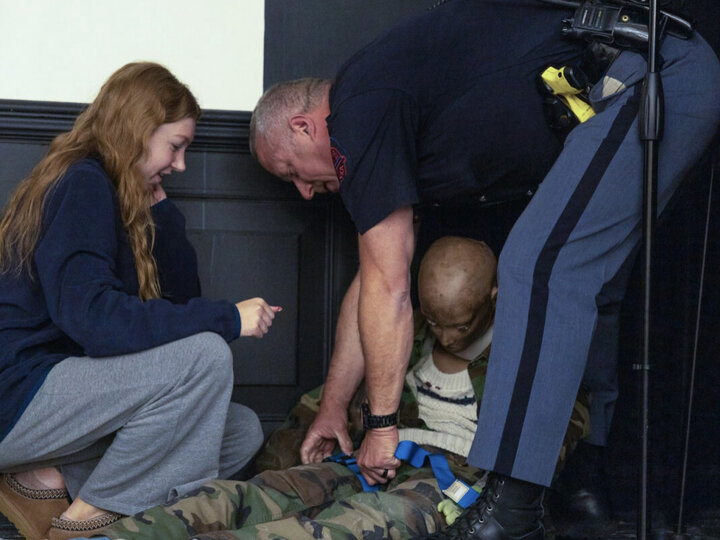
(456, 270)
(457, 289)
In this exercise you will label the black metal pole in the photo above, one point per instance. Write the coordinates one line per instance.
(650, 124)
(693, 366)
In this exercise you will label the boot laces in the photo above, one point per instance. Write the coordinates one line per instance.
(476, 514)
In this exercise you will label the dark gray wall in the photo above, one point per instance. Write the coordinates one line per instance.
(311, 38)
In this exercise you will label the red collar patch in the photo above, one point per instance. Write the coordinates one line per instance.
(339, 162)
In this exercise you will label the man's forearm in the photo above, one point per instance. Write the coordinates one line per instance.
(385, 310)
(386, 327)
(347, 366)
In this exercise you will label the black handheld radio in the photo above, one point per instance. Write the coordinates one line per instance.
(621, 23)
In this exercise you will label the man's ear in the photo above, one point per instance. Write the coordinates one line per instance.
(302, 124)
(493, 293)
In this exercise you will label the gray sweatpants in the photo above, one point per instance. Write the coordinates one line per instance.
(130, 432)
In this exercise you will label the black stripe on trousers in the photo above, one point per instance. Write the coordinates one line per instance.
(508, 448)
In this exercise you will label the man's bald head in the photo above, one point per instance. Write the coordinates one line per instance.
(457, 286)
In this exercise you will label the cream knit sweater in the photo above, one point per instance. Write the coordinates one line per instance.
(446, 403)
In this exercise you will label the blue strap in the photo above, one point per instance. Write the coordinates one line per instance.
(351, 463)
(456, 489)
(411, 452)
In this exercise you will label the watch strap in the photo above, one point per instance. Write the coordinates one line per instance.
(374, 421)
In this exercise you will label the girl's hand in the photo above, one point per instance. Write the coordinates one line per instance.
(256, 317)
(157, 194)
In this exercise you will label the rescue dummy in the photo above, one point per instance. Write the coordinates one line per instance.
(443, 389)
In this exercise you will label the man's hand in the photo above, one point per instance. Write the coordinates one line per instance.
(320, 439)
(377, 454)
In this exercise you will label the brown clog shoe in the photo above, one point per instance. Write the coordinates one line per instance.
(30, 510)
(65, 529)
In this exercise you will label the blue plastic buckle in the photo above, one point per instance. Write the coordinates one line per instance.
(455, 489)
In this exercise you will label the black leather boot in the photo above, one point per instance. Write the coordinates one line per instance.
(580, 505)
(508, 509)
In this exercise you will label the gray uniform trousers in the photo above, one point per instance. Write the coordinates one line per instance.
(560, 265)
(134, 431)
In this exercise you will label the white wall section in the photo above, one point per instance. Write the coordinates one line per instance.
(63, 50)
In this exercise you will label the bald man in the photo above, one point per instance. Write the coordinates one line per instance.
(439, 407)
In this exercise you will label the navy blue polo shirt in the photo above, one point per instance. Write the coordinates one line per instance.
(445, 106)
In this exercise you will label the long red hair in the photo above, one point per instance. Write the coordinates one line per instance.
(116, 126)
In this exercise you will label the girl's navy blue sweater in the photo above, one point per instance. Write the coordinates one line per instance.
(82, 299)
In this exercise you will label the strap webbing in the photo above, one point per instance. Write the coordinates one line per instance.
(456, 489)
(351, 463)
(416, 456)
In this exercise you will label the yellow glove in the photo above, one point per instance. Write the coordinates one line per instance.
(452, 510)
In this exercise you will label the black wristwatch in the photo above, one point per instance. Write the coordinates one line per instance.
(372, 421)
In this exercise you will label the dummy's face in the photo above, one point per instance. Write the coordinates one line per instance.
(301, 162)
(166, 150)
(456, 325)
